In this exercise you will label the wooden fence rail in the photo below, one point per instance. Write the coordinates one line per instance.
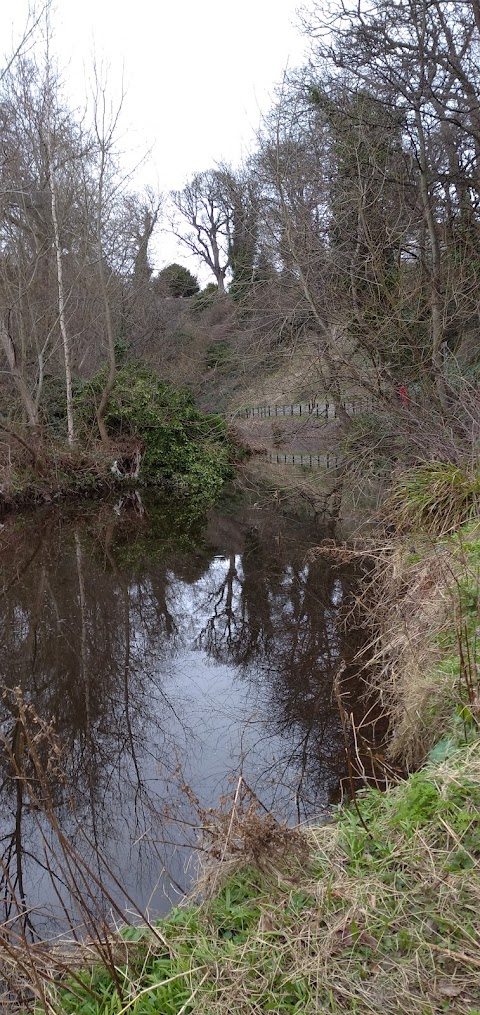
(324, 410)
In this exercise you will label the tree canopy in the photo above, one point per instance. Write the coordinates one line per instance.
(177, 281)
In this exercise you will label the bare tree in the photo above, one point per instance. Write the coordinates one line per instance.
(201, 205)
(420, 61)
(50, 118)
(106, 120)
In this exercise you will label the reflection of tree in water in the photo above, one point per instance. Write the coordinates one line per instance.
(93, 613)
(283, 619)
(84, 634)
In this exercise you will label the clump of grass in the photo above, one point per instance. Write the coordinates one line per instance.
(436, 497)
(381, 919)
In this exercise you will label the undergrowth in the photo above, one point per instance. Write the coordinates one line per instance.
(436, 497)
(179, 443)
(157, 437)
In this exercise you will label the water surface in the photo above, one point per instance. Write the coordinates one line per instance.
(168, 656)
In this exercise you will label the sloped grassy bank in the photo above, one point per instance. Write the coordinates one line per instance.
(375, 912)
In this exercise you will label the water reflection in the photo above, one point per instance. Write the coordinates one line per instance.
(165, 652)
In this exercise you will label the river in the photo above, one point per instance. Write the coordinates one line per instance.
(147, 661)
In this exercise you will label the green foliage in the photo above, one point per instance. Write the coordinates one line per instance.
(436, 497)
(54, 403)
(243, 272)
(182, 446)
(204, 299)
(423, 801)
(177, 281)
(121, 351)
(418, 803)
(218, 355)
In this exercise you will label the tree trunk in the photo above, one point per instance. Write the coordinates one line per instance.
(61, 297)
(436, 316)
(112, 366)
(17, 376)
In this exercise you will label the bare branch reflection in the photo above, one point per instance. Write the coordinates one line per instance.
(163, 650)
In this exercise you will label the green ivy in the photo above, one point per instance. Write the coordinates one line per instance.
(183, 447)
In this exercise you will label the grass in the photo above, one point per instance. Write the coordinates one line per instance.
(382, 919)
(437, 497)
(424, 600)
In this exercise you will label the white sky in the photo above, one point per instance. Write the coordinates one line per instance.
(197, 74)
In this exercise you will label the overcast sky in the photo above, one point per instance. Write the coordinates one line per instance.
(197, 73)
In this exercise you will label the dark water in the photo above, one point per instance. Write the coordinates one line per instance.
(164, 654)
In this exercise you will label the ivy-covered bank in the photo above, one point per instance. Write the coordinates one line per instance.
(157, 437)
(377, 911)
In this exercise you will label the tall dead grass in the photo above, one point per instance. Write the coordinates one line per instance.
(424, 659)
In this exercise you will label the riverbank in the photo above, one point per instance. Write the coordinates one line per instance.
(155, 437)
(376, 912)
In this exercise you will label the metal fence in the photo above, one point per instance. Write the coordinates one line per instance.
(302, 458)
(317, 410)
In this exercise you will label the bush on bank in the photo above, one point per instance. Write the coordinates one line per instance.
(179, 444)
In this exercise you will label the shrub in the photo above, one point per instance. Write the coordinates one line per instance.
(181, 445)
(204, 299)
(217, 355)
(54, 404)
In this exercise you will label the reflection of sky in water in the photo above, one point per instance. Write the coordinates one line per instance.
(225, 725)
(228, 672)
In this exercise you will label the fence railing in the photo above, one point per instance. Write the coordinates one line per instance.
(317, 410)
(328, 461)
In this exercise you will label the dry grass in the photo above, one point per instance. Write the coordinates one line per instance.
(37, 470)
(423, 603)
(381, 921)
